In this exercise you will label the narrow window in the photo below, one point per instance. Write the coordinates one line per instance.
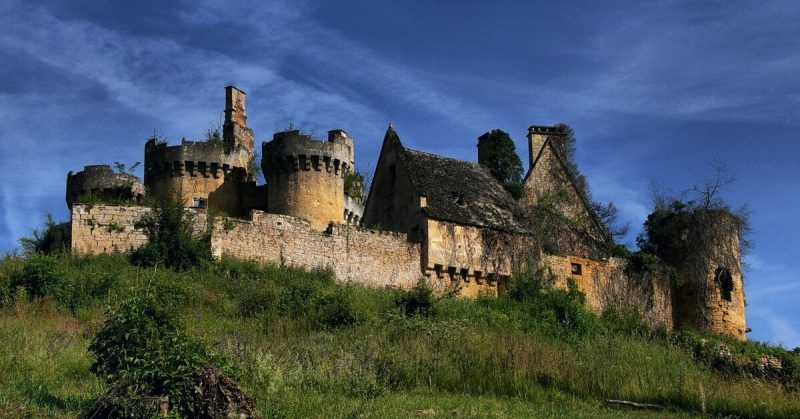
(198, 203)
(577, 269)
(724, 282)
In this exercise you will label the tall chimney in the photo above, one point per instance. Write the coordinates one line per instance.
(537, 135)
(234, 129)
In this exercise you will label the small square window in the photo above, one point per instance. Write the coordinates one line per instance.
(577, 269)
(198, 203)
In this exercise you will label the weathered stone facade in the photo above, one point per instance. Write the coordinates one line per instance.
(610, 285)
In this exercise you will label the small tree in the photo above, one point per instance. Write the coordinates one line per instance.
(172, 240)
(503, 162)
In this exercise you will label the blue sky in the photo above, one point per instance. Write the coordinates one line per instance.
(656, 92)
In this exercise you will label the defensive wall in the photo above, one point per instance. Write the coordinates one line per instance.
(113, 228)
(378, 258)
(354, 254)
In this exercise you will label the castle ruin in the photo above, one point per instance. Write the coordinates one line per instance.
(426, 218)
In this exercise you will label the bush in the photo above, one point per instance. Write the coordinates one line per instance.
(337, 310)
(172, 242)
(37, 241)
(41, 275)
(142, 348)
(418, 301)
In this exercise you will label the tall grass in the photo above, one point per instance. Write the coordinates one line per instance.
(303, 345)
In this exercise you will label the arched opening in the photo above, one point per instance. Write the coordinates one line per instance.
(724, 282)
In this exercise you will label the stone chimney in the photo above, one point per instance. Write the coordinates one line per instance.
(537, 135)
(484, 148)
(234, 129)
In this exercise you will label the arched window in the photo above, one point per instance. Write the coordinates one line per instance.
(724, 282)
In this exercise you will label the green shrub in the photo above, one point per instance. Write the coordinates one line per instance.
(418, 301)
(142, 347)
(337, 310)
(41, 275)
(172, 241)
(37, 241)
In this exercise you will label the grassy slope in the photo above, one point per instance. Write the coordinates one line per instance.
(277, 328)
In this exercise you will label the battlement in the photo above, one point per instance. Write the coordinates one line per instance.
(293, 151)
(546, 130)
(192, 158)
(102, 182)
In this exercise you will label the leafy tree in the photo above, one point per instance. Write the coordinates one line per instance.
(503, 162)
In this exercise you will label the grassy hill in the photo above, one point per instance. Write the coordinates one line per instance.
(302, 346)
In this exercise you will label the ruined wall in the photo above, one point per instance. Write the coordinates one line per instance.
(711, 295)
(354, 254)
(610, 285)
(108, 228)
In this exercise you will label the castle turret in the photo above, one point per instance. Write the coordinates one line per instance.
(709, 294)
(204, 174)
(305, 177)
(102, 183)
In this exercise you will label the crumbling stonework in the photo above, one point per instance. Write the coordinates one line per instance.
(106, 229)
(610, 285)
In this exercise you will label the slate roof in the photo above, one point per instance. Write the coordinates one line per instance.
(460, 191)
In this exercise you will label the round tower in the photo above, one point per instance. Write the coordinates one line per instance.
(101, 182)
(305, 177)
(205, 174)
(709, 294)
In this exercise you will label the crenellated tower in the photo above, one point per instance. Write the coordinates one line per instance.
(202, 174)
(101, 182)
(305, 177)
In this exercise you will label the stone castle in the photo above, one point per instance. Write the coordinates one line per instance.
(426, 218)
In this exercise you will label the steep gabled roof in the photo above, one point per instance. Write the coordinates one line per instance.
(548, 144)
(459, 191)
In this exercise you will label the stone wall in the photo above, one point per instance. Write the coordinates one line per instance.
(364, 256)
(106, 228)
(110, 228)
(608, 284)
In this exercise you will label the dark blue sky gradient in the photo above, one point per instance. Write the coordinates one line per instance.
(655, 92)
